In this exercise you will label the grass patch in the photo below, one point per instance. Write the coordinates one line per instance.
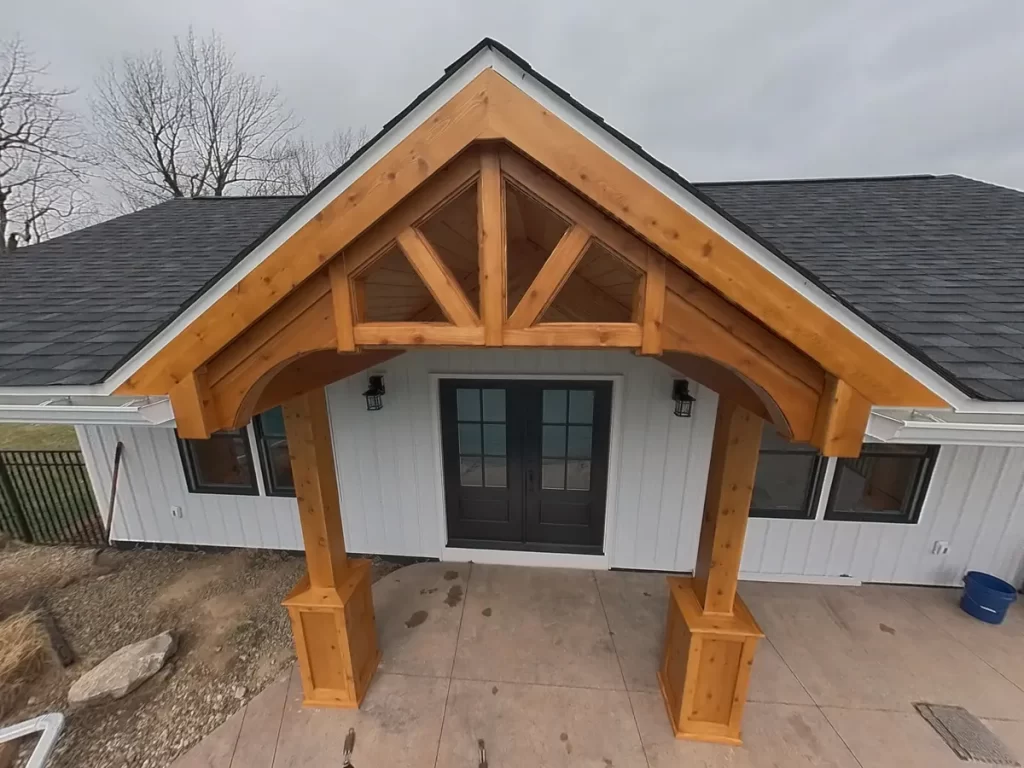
(24, 651)
(38, 437)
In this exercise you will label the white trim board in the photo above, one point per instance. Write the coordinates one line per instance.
(521, 557)
(530, 85)
(511, 557)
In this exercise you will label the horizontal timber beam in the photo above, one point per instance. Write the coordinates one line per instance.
(587, 335)
(418, 335)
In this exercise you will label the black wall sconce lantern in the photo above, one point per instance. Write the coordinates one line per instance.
(683, 399)
(373, 394)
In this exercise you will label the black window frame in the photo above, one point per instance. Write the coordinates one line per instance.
(270, 486)
(911, 513)
(813, 496)
(188, 466)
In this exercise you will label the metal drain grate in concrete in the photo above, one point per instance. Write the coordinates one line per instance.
(965, 734)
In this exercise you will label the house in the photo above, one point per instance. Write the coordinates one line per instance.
(502, 332)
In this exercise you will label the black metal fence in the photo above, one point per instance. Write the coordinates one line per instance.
(45, 498)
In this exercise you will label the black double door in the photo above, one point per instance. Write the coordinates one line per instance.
(526, 463)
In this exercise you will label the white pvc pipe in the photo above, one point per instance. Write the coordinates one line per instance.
(49, 726)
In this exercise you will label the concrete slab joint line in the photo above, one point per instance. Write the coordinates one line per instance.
(561, 672)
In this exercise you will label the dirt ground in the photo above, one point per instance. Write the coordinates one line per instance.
(233, 635)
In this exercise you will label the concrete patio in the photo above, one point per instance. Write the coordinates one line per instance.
(557, 668)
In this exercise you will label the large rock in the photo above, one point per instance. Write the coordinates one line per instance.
(123, 671)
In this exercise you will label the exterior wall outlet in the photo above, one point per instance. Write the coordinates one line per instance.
(176, 512)
(940, 548)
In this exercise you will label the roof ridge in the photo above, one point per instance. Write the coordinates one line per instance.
(822, 180)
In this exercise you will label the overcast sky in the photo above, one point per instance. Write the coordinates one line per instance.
(719, 90)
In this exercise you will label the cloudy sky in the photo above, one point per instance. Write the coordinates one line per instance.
(719, 90)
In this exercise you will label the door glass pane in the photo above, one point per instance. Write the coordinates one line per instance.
(494, 404)
(578, 476)
(554, 406)
(552, 474)
(469, 438)
(494, 439)
(494, 472)
(581, 406)
(468, 404)
(553, 440)
(470, 471)
(580, 442)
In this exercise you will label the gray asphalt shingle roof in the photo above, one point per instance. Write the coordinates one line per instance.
(937, 263)
(73, 308)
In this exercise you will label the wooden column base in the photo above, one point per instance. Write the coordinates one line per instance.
(706, 666)
(335, 638)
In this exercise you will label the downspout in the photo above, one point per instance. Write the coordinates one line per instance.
(109, 521)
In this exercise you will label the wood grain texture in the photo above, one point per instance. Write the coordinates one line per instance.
(192, 404)
(425, 151)
(542, 136)
(440, 281)
(841, 420)
(418, 335)
(686, 329)
(308, 429)
(653, 314)
(492, 248)
(341, 297)
(491, 107)
(553, 274)
(734, 454)
(592, 335)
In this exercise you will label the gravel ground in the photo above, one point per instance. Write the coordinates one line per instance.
(234, 638)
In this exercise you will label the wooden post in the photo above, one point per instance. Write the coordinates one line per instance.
(711, 637)
(331, 608)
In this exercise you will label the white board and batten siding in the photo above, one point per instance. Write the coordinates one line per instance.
(975, 503)
(389, 478)
(151, 490)
(389, 467)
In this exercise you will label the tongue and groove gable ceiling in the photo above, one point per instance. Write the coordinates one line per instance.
(489, 107)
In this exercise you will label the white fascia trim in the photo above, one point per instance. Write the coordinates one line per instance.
(419, 115)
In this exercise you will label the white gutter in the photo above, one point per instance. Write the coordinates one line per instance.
(142, 411)
(938, 427)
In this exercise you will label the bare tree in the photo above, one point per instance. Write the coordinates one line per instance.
(301, 164)
(198, 126)
(41, 152)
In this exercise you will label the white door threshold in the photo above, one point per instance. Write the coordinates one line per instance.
(519, 557)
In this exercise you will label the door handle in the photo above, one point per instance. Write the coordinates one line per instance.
(530, 480)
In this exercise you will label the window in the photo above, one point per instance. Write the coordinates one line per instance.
(273, 446)
(482, 440)
(886, 484)
(220, 464)
(788, 478)
(567, 437)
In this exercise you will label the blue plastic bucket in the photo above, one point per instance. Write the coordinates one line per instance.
(986, 597)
